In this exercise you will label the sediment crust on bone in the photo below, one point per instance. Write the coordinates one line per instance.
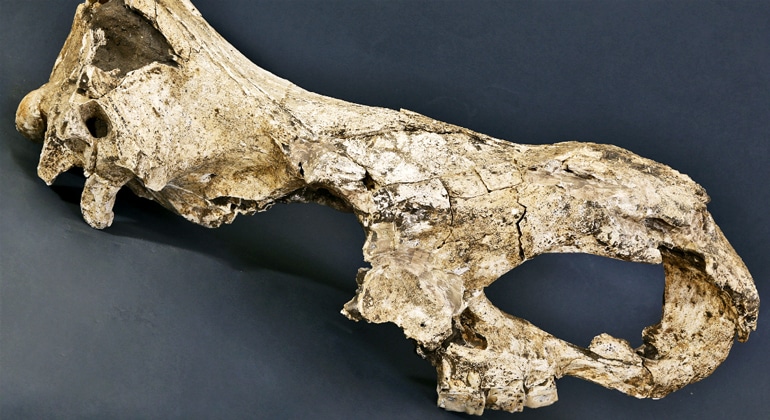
(146, 94)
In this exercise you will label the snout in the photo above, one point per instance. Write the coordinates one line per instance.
(30, 119)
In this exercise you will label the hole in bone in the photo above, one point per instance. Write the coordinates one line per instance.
(576, 297)
(97, 127)
(83, 84)
(369, 182)
(94, 119)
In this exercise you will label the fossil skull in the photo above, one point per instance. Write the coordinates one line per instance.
(146, 94)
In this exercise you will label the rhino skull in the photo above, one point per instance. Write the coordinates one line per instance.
(147, 95)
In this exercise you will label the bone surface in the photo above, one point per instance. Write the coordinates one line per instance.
(145, 94)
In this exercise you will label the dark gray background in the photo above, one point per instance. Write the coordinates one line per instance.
(158, 318)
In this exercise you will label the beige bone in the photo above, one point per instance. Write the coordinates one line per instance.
(146, 94)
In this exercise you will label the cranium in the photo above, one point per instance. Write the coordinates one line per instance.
(146, 94)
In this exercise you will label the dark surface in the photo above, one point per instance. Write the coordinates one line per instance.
(158, 318)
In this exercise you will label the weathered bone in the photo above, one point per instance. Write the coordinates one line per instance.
(146, 94)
